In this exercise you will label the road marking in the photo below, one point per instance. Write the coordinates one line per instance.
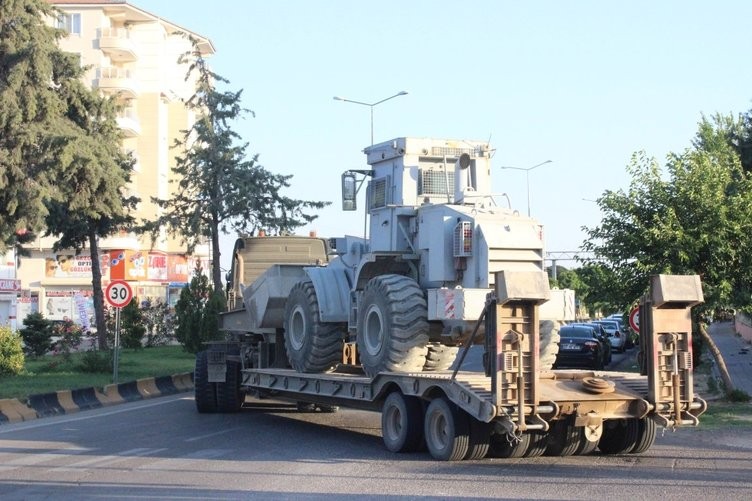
(208, 435)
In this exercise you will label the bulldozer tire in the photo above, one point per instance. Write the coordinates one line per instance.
(549, 343)
(402, 423)
(502, 446)
(229, 396)
(205, 392)
(447, 430)
(620, 436)
(392, 326)
(312, 345)
(440, 357)
(646, 431)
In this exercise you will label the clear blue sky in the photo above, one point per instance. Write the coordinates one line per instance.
(582, 83)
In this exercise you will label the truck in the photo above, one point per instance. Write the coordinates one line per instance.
(385, 322)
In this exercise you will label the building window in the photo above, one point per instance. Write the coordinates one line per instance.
(71, 23)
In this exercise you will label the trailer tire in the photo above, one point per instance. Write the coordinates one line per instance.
(402, 423)
(229, 396)
(447, 430)
(204, 392)
(502, 448)
(392, 326)
(549, 343)
(538, 444)
(646, 430)
(564, 439)
(312, 345)
(480, 439)
(440, 357)
(620, 436)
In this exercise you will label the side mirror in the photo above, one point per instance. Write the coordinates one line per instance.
(349, 192)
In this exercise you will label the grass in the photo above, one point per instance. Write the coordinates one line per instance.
(725, 414)
(51, 373)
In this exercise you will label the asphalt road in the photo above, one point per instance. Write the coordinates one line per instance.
(163, 449)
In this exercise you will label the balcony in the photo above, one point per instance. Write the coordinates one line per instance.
(117, 45)
(117, 81)
(128, 122)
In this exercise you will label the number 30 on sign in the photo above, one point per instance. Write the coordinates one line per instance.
(118, 293)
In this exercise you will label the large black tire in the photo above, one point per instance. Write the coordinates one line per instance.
(549, 343)
(440, 357)
(620, 436)
(502, 446)
(402, 423)
(312, 346)
(229, 396)
(538, 444)
(564, 439)
(392, 326)
(646, 430)
(204, 391)
(447, 430)
(480, 439)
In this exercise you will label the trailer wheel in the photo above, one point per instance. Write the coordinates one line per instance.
(440, 357)
(229, 396)
(392, 326)
(564, 439)
(549, 343)
(447, 430)
(480, 439)
(646, 430)
(402, 423)
(620, 436)
(312, 345)
(504, 446)
(204, 391)
(538, 444)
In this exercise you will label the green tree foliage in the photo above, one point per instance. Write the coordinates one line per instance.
(37, 334)
(197, 313)
(132, 325)
(11, 354)
(219, 189)
(69, 336)
(33, 147)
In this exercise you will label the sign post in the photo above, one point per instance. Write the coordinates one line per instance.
(118, 293)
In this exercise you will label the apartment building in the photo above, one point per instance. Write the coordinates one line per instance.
(132, 54)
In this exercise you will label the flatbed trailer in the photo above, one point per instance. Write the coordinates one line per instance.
(512, 408)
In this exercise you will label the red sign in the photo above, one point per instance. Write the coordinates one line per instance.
(118, 293)
(9, 284)
(634, 319)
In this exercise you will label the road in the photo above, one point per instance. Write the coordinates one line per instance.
(163, 449)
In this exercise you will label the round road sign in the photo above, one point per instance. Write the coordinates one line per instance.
(118, 293)
(634, 318)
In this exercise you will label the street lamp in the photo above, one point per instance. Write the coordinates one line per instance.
(371, 105)
(527, 173)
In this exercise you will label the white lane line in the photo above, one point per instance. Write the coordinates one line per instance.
(208, 435)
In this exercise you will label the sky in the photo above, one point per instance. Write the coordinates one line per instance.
(584, 84)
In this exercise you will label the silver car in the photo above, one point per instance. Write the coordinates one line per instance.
(616, 337)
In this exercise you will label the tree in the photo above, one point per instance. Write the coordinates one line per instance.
(36, 334)
(698, 220)
(197, 313)
(93, 185)
(218, 188)
(32, 72)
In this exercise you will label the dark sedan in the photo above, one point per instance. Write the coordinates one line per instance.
(579, 347)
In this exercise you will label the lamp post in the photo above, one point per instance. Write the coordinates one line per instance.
(527, 174)
(370, 105)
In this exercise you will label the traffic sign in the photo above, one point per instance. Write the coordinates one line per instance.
(118, 293)
(634, 319)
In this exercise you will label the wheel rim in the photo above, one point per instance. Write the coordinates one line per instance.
(297, 327)
(393, 423)
(439, 430)
(374, 326)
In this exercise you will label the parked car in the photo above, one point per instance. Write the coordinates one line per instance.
(602, 335)
(616, 336)
(580, 347)
(630, 337)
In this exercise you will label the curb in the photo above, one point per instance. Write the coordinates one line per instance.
(13, 410)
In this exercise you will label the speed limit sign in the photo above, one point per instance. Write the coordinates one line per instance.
(118, 293)
(634, 318)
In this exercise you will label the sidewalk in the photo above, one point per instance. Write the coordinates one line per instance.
(737, 353)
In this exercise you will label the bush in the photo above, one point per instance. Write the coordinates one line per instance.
(69, 336)
(95, 361)
(132, 328)
(11, 352)
(37, 335)
(159, 323)
(197, 314)
(738, 395)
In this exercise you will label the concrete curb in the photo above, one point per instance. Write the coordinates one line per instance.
(13, 410)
